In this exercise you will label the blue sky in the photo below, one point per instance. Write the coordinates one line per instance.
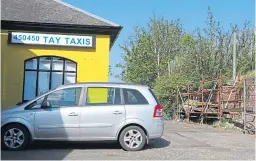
(192, 14)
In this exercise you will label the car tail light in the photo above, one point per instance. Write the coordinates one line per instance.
(158, 112)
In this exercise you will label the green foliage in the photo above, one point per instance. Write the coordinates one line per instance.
(146, 54)
(164, 56)
(226, 124)
(166, 90)
(110, 71)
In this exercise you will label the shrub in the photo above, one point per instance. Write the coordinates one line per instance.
(165, 89)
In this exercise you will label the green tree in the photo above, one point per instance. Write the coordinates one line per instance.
(147, 54)
(163, 55)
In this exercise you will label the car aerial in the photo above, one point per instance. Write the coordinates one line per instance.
(127, 113)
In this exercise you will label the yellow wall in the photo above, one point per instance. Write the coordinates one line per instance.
(92, 64)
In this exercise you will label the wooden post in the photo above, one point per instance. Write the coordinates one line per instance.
(219, 97)
(244, 102)
(221, 104)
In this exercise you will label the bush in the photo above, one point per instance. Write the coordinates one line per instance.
(226, 124)
(165, 89)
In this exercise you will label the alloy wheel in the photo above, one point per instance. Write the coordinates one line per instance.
(14, 138)
(133, 138)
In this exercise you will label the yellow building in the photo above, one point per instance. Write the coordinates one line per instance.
(48, 43)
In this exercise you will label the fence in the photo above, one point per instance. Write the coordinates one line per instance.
(249, 105)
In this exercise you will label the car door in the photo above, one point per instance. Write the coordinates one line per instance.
(60, 119)
(103, 113)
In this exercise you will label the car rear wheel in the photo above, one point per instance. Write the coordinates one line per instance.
(132, 138)
(14, 137)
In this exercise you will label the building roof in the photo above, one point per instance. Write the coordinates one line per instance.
(49, 11)
(54, 16)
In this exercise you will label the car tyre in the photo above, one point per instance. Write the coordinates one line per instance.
(19, 137)
(137, 138)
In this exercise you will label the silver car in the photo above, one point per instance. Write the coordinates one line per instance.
(127, 113)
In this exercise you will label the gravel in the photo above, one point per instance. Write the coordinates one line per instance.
(180, 141)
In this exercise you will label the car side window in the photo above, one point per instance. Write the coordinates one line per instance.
(64, 98)
(35, 105)
(103, 96)
(133, 96)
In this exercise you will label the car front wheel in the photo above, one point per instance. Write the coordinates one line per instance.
(132, 138)
(14, 137)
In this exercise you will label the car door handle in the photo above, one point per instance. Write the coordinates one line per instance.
(117, 112)
(72, 114)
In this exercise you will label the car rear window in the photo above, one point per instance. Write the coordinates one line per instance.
(153, 94)
(133, 96)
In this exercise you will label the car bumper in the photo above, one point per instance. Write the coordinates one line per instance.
(156, 129)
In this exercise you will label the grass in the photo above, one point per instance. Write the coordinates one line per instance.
(226, 124)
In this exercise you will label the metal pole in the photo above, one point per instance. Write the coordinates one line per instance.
(234, 57)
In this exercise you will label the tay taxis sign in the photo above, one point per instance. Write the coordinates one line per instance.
(52, 39)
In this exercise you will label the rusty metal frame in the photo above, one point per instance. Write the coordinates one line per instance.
(219, 98)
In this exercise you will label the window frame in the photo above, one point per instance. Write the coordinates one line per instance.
(27, 107)
(37, 70)
(84, 100)
(44, 98)
(79, 102)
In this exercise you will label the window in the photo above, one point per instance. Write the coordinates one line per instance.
(45, 73)
(35, 105)
(132, 96)
(103, 96)
(64, 98)
(153, 94)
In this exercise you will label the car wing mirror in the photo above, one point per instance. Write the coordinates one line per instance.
(45, 105)
(37, 106)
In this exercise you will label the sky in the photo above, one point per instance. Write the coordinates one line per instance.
(192, 14)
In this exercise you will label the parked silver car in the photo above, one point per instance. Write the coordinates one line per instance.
(127, 113)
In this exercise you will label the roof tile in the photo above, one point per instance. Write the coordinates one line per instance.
(49, 11)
